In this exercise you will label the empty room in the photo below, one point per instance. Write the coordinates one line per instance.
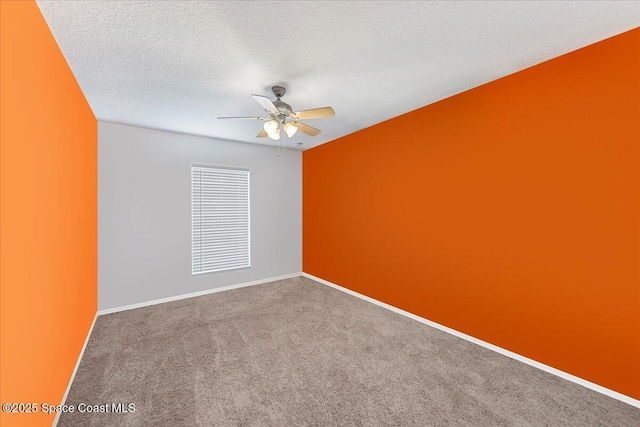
(310, 213)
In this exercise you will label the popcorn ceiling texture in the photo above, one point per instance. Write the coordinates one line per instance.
(177, 65)
(298, 353)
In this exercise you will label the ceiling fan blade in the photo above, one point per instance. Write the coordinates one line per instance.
(262, 134)
(311, 131)
(316, 113)
(266, 103)
(247, 118)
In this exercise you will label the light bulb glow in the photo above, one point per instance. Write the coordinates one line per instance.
(290, 129)
(272, 129)
(270, 126)
(275, 135)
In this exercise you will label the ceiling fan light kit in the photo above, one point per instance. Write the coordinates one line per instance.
(282, 116)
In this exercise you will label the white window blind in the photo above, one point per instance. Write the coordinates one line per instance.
(220, 219)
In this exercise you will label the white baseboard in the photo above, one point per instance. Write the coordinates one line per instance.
(593, 386)
(75, 370)
(195, 294)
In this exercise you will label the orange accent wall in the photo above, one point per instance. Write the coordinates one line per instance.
(48, 214)
(509, 212)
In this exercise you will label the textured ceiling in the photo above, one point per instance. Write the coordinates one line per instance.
(178, 65)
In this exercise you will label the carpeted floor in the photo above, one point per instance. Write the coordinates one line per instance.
(296, 352)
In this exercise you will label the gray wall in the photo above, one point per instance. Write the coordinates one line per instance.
(144, 212)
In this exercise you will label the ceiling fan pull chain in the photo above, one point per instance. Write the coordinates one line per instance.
(278, 147)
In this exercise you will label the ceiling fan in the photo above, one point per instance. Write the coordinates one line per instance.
(281, 115)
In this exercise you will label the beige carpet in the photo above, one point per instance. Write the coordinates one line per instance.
(296, 352)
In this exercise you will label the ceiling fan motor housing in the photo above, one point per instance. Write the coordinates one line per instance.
(283, 108)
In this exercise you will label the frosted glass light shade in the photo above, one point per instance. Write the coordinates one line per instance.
(272, 129)
(290, 129)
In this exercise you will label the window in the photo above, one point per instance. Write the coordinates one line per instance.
(219, 218)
